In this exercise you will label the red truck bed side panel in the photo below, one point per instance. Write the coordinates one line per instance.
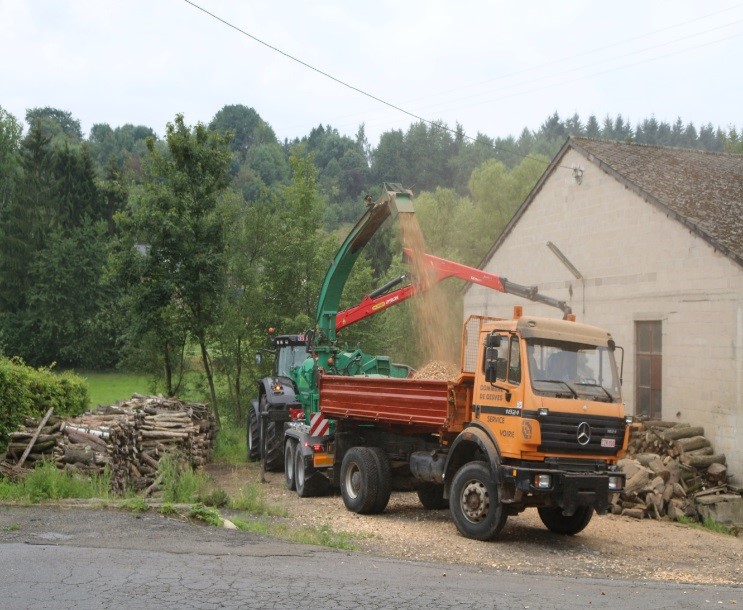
(385, 399)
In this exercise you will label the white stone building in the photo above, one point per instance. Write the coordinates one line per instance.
(646, 242)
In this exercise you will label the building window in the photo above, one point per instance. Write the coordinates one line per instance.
(648, 375)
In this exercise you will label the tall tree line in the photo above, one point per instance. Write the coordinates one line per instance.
(176, 253)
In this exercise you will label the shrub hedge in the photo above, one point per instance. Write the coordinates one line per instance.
(29, 392)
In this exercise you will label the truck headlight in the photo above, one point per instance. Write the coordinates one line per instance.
(615, 483)
(542, 481)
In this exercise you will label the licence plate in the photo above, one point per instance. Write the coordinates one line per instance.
(608, 442)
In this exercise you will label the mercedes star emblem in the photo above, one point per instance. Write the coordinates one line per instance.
(584, 433)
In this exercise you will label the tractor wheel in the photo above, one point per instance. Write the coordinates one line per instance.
(432, 497)
(272, 441)
(474, 504)
(308, 483)
(360, 480)
(558, 523)
(385, 479)
(254, 436)
(289, 449)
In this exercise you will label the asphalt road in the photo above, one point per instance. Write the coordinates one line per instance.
(76, 558)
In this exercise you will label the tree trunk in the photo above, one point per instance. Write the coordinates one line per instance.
(210, 380)
(168, 370)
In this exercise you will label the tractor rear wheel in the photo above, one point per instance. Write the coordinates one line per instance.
(254, 436)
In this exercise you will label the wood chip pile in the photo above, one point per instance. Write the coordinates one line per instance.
(439, 370)
(129, 437)
(669, 466)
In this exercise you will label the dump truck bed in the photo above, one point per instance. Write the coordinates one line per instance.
(417, 402)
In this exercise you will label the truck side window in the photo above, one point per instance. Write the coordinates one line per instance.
(514, 362)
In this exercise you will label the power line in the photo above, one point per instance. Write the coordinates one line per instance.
(357, 89)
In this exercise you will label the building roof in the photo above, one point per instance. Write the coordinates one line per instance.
(702, 190)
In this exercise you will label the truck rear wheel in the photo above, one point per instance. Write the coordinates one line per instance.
(385, 480)
(360, 480)
(254, 436)
(558, 523)
(432, 497)
(289, 449)
(474, 503)
(308, 483)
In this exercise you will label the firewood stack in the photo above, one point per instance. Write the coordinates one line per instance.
(129, 437)
(668, 466)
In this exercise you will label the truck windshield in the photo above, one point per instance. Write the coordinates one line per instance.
(573, 370)
(289, 357)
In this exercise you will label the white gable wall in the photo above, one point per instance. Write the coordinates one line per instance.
(637, 264)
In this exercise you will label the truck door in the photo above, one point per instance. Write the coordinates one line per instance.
(499, 396)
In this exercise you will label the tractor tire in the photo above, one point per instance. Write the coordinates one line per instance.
(254, 436)
(432, 497)
(360, 480)
(385, 480)
(308, 483)
(272, 441)
(474, 504)
(558, 523)
(290, 448)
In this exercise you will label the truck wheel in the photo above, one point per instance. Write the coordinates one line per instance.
(307, 484)
(359, 480)
(289, 449)
(385, 479)
(474, 503)
(254, 436)
(432, 497)
(558, 523)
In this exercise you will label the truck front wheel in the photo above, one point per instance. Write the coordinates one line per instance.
(474, 503)
(360, 480)
(558, 523)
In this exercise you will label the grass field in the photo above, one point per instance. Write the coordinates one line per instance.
(107, 388)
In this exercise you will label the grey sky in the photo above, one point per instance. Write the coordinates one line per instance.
(494, 67)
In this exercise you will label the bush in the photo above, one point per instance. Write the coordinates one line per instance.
(29, 392)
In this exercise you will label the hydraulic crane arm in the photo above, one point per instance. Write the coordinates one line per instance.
(440, 269)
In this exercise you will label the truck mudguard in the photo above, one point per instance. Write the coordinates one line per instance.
(471, 441)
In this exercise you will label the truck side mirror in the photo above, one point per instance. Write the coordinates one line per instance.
(491, 363)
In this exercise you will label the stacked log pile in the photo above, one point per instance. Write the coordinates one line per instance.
(668, 466)
(129, 438)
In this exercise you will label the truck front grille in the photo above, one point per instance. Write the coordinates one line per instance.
(581, 434)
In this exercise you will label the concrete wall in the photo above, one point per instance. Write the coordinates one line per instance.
(638, 265)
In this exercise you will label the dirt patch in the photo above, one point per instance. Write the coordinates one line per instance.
(610, 547)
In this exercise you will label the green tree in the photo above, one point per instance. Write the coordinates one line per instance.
(177, 216)
(58, 125)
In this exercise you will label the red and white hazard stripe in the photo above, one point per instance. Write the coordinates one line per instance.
(319, 426)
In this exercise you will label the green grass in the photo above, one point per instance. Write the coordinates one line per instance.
(231, 446)
(709, 523)
(136, 504)
(251, 500)
(320, 536)
(179, 483)
(108, 388)
(46, 482)
(210, 516)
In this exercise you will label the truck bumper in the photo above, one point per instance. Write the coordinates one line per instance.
(567, 489)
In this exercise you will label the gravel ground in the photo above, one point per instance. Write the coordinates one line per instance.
(610, 547)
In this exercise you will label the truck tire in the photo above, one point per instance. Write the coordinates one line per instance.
(432, 497)
(558, 523)
(360, 480)
(385, 480)
(290, 447)
(307, 483)
(474, 503)
(254, 436)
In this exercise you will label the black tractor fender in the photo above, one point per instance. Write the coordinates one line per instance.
(472, 443)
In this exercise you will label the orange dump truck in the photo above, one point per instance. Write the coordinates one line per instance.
(534, 419)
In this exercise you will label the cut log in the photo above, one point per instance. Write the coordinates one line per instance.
(692, 443)
(35, 436)
(635, 513)
(703, 461)
(678, 432)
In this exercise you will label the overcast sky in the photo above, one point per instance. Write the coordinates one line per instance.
(494, 67)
